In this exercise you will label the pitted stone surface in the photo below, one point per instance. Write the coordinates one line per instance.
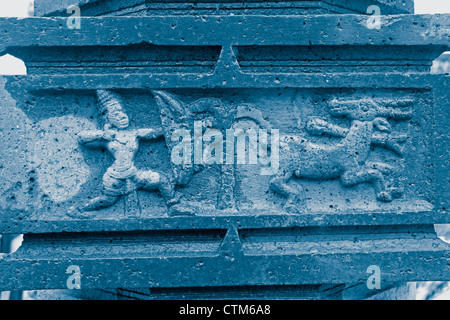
(93, 132)
(225, 7)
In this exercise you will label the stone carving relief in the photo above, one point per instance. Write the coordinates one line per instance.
(214, 114)
(346, 160)
(122, 177)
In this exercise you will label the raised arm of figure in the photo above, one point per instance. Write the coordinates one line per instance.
(92, 137)
(148, 134)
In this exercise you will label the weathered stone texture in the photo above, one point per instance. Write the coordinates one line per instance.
(225, 7)
(86, 145)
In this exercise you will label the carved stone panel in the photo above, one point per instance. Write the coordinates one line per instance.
(119, 154)
(224, 151)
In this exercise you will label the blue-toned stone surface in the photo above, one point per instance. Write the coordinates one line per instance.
(224, 7)
(88, 172)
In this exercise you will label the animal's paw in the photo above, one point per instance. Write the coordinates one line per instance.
(77, 213)
(181, 210)
(396, 192)
(295, 206)
(291, 208)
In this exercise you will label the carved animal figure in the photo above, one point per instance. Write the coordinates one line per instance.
(346, 160)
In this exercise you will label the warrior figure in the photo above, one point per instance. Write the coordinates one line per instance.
(122, 177)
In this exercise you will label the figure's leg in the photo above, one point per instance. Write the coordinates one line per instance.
(384, 168)
(364, 174)
(102, 202)
(152, 181)
(296, 200)
(113, 189)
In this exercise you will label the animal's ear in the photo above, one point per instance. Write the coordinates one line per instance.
(382, 124)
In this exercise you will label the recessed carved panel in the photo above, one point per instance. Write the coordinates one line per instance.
(326, 151)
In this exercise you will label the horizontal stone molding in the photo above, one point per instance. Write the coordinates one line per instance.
(208, 7)
(42, 261)
(310, 30)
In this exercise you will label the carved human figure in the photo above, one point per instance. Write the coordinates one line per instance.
(122, 177)
(347, 159)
